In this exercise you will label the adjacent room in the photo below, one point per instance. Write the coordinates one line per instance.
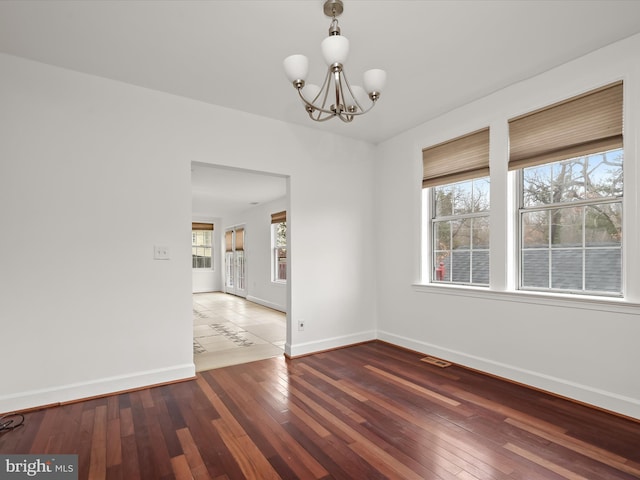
(433, 251)
(239, 265)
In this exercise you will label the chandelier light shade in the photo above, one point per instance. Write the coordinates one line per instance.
(336, 97)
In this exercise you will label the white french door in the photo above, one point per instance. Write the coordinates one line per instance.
(235, 262)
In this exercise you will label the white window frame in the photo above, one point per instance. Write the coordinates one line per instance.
(522, 210)
(431, 219)
(275, 263)
(197, 247)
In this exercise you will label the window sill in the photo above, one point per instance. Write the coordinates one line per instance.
(604, 304)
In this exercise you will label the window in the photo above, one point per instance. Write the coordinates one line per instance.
(279, 246)
(571, 224)
(569, 161)
(460, 226)
(201, 245)
(455, 177)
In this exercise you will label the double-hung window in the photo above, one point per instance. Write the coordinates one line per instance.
(569, 158)
(456, 188)
(201, 245)
(279, 246)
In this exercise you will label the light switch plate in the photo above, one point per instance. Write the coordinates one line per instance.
(161, 252)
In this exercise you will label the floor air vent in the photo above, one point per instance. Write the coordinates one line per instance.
(436, 361)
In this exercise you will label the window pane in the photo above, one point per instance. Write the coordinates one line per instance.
(481, 194)
(281, 263)
(537, 186)
(461, 234)
(442, 266)
(603, 269)
(605, 175)
(443, 200)
(535, 268)
(230, 271)
(461, 266)
(442, 235)
(566, 269)
(568, 180)
(535, 227)
(603, 225)
(463, 198)
(480, 267)
(481, 232)
(281, 234)
(566, 227)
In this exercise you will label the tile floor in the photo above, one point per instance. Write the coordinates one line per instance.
(228, 330)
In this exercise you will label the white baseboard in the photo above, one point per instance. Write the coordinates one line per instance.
(328, 343)
(93, 388)
(582, 393)
(265, 303)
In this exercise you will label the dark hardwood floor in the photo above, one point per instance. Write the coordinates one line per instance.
(370, 411)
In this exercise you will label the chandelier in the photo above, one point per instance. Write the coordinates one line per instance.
(336, 97)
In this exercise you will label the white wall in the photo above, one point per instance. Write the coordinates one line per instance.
(210, 280)
(257, 249)
(94, 173)
(584, 350)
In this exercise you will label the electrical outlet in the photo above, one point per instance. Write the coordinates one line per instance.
(301, 325)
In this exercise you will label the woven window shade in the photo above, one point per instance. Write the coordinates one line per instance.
(279, 217)
(240, 239)
(202, 226)
(585, 124)
(228, 241)
(456, 160)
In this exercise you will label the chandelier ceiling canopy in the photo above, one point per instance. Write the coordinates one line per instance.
(336, 97)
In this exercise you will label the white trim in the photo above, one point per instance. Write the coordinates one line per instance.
(559, 386)
(328, 343)
(602, 304)
(266, 303)
(93, 388)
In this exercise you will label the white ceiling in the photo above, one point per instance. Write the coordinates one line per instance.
(438, 54)
(225, 192)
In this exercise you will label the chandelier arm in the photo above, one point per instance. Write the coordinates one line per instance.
(356, 114)
(312, 107)
(324, 93)
(355, 99)
(319, 118)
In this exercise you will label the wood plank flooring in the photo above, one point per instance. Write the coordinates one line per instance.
(370, 411)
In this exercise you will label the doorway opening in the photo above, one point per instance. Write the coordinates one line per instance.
(240, 312)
